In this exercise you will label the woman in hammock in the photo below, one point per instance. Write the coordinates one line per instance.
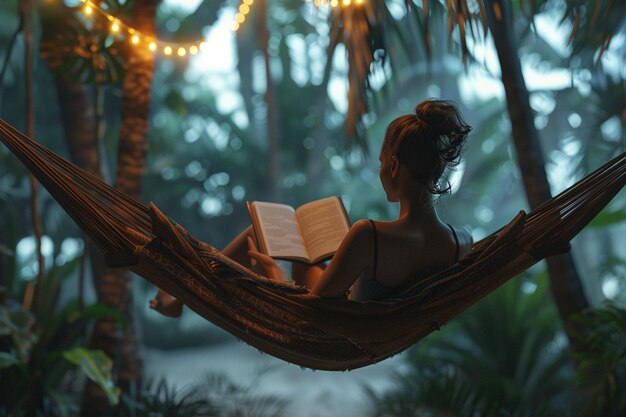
(377, 259)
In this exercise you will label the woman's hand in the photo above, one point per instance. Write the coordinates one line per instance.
(306, 275)
(271, 268)
(166, 304)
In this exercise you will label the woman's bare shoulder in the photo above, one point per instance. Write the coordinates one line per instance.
(359, 236)
(361, 225)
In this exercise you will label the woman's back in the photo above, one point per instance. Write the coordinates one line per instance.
(402, 253)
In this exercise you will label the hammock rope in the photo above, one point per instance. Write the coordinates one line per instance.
(281, 318)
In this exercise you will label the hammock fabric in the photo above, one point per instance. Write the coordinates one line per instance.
(282, 319)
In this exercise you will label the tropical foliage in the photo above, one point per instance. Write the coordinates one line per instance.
(505, 357)
(42, 361)
(601, 374)
(215, 396)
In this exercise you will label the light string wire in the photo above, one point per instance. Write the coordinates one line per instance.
(118, 27)
(245, 7)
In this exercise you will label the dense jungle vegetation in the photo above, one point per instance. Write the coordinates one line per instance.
(292, 107)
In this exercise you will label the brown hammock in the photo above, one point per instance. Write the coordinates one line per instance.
(282, 319)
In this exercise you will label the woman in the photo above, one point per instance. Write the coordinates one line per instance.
(377, 259)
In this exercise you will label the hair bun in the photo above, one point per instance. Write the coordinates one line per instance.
(448, 130)
(428, 141)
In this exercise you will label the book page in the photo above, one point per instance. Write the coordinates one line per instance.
(280, 230)
(323, 224)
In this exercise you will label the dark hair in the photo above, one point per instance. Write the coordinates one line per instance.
(428, 141)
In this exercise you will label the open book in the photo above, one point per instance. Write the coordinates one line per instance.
(311, 233)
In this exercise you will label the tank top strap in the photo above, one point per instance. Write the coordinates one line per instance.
(375, 235)
(456, 240)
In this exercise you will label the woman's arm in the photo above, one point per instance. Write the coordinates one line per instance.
(354, 257)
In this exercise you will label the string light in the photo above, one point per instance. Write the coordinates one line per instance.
(334, 3)
(245, 6)
(242, 11)
(118, 28)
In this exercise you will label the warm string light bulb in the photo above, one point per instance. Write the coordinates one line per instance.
(334, 3)
(118, 28)
(242, 11)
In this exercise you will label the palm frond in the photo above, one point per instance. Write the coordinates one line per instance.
(594, 25)
(601, 374)
(73, 50)
(371, 35)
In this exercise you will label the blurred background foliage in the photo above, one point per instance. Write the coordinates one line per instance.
(209, 152)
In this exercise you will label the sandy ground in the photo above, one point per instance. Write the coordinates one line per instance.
(311, 393)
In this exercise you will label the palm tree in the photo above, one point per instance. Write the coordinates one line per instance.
(273, 133)
(114, 286)
(26, 17)
(565, 282)
(252, 37)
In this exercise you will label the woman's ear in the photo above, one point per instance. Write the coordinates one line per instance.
(395, 166)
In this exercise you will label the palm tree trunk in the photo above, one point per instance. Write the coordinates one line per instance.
(79, 124)
(26, 15)
(245, 40)
(131, 161)
(273, 134)
(315, 160)
(114, 286)
(564, 280)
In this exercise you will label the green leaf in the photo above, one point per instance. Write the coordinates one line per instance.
(176, 103)
(608, 218)
(93, 312)
(97, 366)
(65, 404)
(8, 359)
(17, 323)
(6, 251)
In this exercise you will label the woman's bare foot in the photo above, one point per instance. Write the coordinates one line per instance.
(166, 304)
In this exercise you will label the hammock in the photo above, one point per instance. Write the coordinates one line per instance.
(281, 319)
